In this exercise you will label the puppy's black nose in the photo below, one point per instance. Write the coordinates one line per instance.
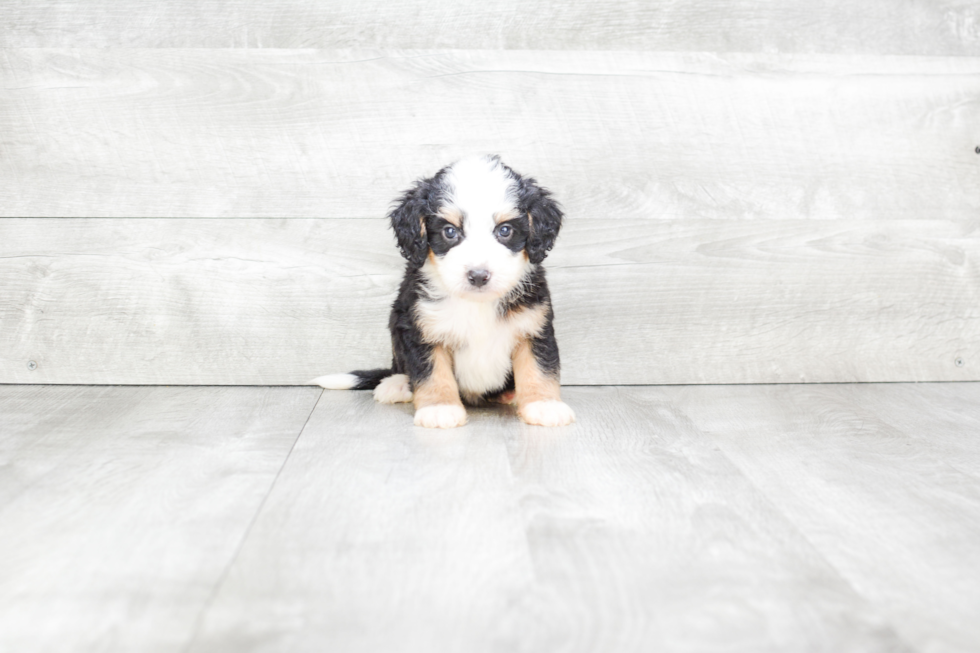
(478, 278)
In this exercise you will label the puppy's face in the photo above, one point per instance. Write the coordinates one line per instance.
(476, 228)
(477, 236)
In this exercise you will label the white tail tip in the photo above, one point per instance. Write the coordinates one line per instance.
(335, 381)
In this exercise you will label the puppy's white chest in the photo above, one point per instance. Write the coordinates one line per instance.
(481, 341)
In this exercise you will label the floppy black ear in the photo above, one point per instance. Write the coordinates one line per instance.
(408, 220)
(545, 216)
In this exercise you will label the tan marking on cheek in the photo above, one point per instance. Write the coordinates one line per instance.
(451, 215)
(530, 383)
(440, 388)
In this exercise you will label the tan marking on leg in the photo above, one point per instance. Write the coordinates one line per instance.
(530, 383)
(437, 403)
(440, 387)
(538, 395)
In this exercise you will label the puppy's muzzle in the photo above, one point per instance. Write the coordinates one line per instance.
(478, 278)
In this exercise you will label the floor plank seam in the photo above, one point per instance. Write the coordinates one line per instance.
(792, 524)
(241, 543)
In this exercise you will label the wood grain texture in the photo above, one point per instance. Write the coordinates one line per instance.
(751, 518)
(121, 508)
(380, 536)
(946, 417)
(627, 531)
(301, 133)
(898, 515)
(943, 27)
(282, 301)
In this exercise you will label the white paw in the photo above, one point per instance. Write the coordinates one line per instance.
(547, 413)
(395, 389)
(440, 416)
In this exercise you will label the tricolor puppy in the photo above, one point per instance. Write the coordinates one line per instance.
(473, 321)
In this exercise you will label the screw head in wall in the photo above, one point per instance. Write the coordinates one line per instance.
(959, 361)
(31, 365)
(977, 149)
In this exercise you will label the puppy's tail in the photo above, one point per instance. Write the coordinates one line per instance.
(356, 380)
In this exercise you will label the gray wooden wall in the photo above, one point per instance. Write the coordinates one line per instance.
(764, 191)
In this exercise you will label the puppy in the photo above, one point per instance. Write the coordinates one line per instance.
(473, 321)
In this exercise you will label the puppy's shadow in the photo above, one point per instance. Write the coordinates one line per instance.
(490, 419)
(497, 422)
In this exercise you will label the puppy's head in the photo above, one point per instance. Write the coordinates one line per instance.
(476, 228)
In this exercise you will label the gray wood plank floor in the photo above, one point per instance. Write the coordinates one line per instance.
(121, 507)
(735, 518)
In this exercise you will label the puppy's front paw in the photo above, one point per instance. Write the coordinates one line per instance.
(547, 413)
(394, 390)
(440, 416)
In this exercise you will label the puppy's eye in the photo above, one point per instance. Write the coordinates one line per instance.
(449, 233)
(505, 231)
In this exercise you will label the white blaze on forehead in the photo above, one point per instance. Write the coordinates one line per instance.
(480, 187)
